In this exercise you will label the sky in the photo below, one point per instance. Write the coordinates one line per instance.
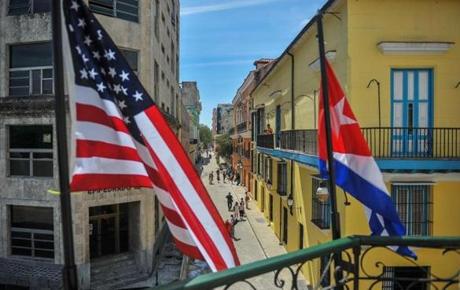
(221, 39)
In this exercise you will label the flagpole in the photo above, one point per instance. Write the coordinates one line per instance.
(70, 270)
(335, 218)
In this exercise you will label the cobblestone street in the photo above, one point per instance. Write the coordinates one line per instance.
(256, 240)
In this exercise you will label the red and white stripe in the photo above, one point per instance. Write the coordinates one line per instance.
(108, 157)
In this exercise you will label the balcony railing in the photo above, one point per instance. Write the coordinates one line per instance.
(384, 142)
(299, 140)
(241, 127)
(265, 140)
(415, 143)
(231, 131)
(365, 265)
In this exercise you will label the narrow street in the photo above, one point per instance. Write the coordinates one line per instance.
(256, 240)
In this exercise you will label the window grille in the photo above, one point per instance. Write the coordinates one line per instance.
(123, 9)
(30, 151)
(320, 212)
(282, 178)
(413, 203)
(20, 7)
(31, 69)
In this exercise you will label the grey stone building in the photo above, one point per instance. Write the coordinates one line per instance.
(191, 99)
(114, 231)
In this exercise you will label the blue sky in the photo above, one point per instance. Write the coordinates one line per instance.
(220, 39)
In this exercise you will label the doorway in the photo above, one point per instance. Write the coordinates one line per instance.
(270, 207)
(108, 229)
(412, 112)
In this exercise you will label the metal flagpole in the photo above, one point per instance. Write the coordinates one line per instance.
(70, 273)
(335, 218)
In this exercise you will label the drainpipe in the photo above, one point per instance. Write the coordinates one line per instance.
(292, 119)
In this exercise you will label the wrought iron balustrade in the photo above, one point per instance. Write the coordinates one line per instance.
(265, 140)
(416, 143)
(299, 140)
(241, 127)
(366, 264)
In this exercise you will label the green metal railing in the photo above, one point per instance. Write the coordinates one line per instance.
(353, 249)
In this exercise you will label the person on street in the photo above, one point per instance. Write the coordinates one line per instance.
(211, 177)
(234, 221)
(237, 178)
(241, 210)
(218, 175)
(229, 201)
(236, 208)
(246, 199)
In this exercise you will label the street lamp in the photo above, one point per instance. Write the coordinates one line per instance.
(322, 193)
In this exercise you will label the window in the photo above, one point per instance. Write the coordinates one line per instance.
(32, 231)
(405, 278)
(31, 69)
(172, 101)
(301, 234)
(282, 178)
(20, 7)
(157, 19)
(260, 160)
(320, 213)
(30, 151)
(123, 9)
(131, 57)
(413, 204)
(173, 53)
(268, 170)
(156, 76)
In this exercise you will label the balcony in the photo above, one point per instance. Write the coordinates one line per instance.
(299, 140)
(231, 131)
(396, 149)
(265, 141)
(360, 266)
(242, 127)
(413, 143)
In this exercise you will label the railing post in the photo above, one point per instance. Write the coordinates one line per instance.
(356, 257)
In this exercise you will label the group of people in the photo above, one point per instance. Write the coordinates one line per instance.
(239, 212)
(227, 174)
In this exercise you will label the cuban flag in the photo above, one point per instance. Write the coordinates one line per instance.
(356, 171)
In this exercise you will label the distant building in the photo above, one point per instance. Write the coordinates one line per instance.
(113, 230)
(224, 119)
(190, 96)
(241, 137)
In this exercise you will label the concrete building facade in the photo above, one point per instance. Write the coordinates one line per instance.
(190, 96)
(114, 231)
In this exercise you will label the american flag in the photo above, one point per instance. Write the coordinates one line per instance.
(123, 140)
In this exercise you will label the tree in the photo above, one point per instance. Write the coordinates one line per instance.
(205, 135)
(224, 146)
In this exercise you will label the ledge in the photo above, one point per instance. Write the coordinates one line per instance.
(414, 48)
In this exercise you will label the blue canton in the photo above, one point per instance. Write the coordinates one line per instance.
(100, 65)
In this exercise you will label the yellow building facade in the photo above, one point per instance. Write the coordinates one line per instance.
(398, 62)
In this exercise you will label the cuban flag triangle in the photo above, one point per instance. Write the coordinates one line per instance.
(356, 170)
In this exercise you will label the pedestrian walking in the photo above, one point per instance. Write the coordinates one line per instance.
(236, 208)
(224, 175)
(229, 201)
(234, 221)
(211, 177)
(241, 209)
(218, 175)
(237, 178)
(247, 198)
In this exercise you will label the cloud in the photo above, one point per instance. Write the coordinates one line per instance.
(219, 63)
(191, 10)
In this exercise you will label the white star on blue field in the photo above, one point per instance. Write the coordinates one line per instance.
(220, 40)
